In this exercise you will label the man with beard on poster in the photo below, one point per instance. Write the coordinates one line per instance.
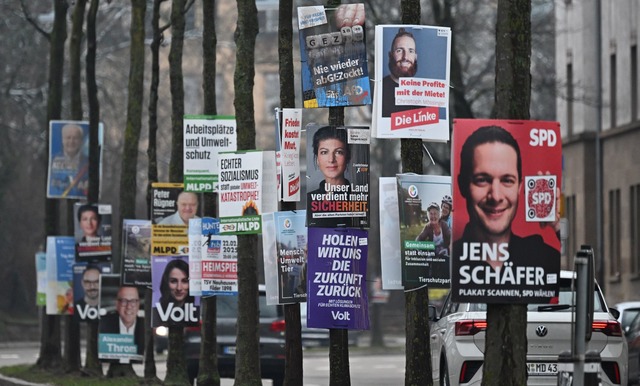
(403, 63)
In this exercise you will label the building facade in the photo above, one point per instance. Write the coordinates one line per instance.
(598, 110)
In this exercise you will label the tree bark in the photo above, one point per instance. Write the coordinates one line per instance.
(177, 89)
(506, 337)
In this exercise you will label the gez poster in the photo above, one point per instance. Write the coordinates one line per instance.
(285, 256)
(92, 231)
(68, 175)
(218, 260)
(171, 302)
(247, 188)
(334, 56)
(60, 259)
(171, 209)
(121, 324)
(338, 176)
(412, 82)
(86, 289)
(136, 252)
(425, 235)
(506, 247)
(204, 137)
(336, 279)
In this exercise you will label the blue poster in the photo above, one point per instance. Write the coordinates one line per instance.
(336, 281)
(61, 253)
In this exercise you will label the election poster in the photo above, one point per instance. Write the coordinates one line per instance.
(247, 188)
(204, 137)
(338, 176)
(425, 236)
(271, 275)
(171, 209)
(336, 278)
(412, 101)
(195, 254)
(136, 252)
(506, 247)
(286, 257)
(61, 253)
(334, 56)
(86, 289)
(41, 278)
(68, 172)
(219, 260)
(172, 304)
(92, 231)
(290, 154)
(121, 323)
(391, 263)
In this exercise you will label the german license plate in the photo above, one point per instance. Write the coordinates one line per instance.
(541, 368)
(229, 350)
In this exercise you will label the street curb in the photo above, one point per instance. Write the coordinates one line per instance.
(17, 381)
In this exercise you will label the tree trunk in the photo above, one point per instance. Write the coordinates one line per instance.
(176, 363)
(94, 108)
(208, 374)
(149, 360)
(418, 351)
(248, 351)
(506, 341)
(50, 351)
(177, 90)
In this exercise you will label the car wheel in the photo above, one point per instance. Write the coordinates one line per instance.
(444, 372)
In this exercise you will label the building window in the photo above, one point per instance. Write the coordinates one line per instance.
(634, 203)
(572, 234)
(614, 234)
(634, 82)
(569, 99)
(613, 88)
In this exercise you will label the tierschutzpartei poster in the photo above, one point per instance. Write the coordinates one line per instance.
(338, 176)
(506, 247)
(334, 56)
(136, 252)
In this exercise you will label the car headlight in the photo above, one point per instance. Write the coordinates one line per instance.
(162, 331)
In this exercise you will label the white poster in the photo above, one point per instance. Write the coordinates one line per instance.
(291, 128)
(390, 234)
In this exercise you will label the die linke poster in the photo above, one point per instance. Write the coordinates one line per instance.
(336, 278)
(334, 56)
(412, 82)
(506, 246)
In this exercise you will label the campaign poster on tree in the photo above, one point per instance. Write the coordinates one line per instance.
(247, 188)
(390, 260)
(291, 251)
(336, 278)
(41, 278)
(171, 209)
(172, 304)
(136, 252)
(68, 175)
(506, 246)
(92, 231)
(204, 137)
(334, 56)
(219, 260)
(338, 176)
(86, 289)
(412, 100)
(290, 154)
(122, 321)
(425, 234)
(61, 254)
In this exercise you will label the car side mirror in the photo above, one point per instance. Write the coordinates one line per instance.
(614, 312)
(433, 313)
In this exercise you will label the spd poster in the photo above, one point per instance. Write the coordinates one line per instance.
(506, 247)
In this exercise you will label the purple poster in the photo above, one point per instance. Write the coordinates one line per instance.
(336, 278)
(172, 305)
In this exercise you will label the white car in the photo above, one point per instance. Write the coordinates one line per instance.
(628, 311)
(458, 338)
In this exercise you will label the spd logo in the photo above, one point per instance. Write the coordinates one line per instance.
(540, 192)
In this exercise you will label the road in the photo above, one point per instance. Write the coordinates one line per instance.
(366, 369)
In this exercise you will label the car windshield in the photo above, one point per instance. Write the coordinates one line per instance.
(562, 303)
(227, 307)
